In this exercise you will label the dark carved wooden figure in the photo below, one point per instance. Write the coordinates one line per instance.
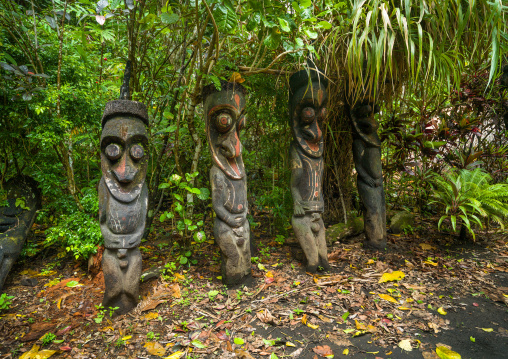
(307, 110)
(224, 111)
(123, 199)
(367, 159)
(16, 219)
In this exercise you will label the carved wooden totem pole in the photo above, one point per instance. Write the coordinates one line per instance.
(16, 219)
(307, 109)
(367, 159)
(224, 120)
(123, 200)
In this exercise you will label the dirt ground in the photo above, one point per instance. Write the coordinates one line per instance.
(425, 295)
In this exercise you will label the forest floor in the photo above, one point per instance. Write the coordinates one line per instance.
(450, 298)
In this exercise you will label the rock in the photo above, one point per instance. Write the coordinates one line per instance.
(341, 231)
(29, 282)
(400, 221)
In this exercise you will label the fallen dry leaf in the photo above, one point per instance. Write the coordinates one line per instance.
(393, 276)
(155, 348)
(325, 351)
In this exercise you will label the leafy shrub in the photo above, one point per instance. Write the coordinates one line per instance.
(5, 301)
(466, 194)
(79, 232)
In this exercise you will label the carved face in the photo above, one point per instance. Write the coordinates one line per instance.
(365, 125)
(307, 111)
(124, 157)
(224, 120)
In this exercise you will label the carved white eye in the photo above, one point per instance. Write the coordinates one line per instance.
(137, 152)
(308, 114)
(223, 122)
(113, 151)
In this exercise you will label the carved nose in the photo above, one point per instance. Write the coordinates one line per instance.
(125, 171)
(312, 132)
(230, 147)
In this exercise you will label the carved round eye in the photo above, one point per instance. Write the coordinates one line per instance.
(324, 112)
(223, 122)
(137, 152)
(308, 114)
(113, 151)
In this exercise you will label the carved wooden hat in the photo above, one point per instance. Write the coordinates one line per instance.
(125, 108)
(301, 78)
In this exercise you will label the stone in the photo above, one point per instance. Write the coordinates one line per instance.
(367, 160)
(400, 221)
(29, 282)
(123, 200)
(307, 109)
(224, 116)
(22, 200)
(342, 231)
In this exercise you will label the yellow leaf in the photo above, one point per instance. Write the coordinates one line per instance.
(59, 303)
(403, 308)
(431, 263)
(178, 276)
(312, 326)
(34, 353)
(346, 351)
(304, 319)
(487, 330)
(175, 355)
(105, 329)
(445, 353)
(370, 261)
(269, 274)
(127, 337)
(388, 277)
(388, 298)
(236, 77)
(441, 311)
(426, 246)
(43, 354)
(152, 315)
(360, 326)
(289, 344)
(31, 353)
(405, 345)
(298, 283)
(155, 348)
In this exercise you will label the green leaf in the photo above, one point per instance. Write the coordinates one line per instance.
(183, 260)
(453, 219)
(169, 18)
(311, 33)
(272, 41)
(324, 25)
(239, 341)
(225, 18)
(284, 25)
(345, 316)
(203, 194)
(178, 197)
(197, 343)
(73, 284)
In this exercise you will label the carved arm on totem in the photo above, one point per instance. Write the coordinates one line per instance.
(296, 176)
(219, 198)
(359, 153)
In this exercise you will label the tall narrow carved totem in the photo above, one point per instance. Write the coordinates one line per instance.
(224, 111)
(367, 159)
(123, 199)
(16, 219)
(307, 109)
